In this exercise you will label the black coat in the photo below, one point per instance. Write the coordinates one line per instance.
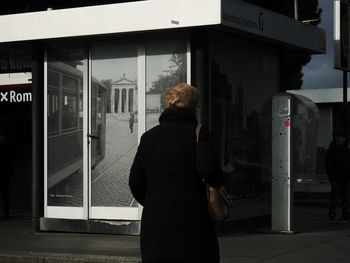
(338, 162)
(175, 224)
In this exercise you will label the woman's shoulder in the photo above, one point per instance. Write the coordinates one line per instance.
(150, 134)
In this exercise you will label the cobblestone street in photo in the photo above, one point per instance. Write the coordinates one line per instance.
(109, 179)
(109, 185)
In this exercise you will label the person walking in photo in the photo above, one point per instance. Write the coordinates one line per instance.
(166, 178)
(338, 171)
(131, 122)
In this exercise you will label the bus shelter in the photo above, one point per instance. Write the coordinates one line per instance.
(98, 79)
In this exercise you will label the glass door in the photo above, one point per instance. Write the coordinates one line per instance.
(65, 126)
(97, 103)
(113, 129)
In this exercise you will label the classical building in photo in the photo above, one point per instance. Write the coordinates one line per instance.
(123, 92)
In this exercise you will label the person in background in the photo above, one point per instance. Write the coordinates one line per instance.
(166, 178)
(131, 122)
(338, 172)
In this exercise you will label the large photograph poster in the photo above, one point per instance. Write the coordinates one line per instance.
(115, 123)
(113, 116)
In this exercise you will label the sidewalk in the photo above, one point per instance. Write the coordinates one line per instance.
(320, 242)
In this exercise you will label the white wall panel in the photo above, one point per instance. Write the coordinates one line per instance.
(107, 19)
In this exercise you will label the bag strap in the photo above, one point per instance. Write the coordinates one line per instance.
(198, 129)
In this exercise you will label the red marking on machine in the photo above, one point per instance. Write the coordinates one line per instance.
(287, 123)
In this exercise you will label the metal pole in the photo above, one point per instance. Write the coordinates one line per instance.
(37, 137)
(296, 10)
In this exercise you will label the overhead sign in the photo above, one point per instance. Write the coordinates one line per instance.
(14, 96)
(15, 93)
(162, 15)
(341, 35)
(253, 19)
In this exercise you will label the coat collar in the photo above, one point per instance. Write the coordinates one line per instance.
(178, 114)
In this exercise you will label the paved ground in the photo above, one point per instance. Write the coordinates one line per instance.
(319, 242)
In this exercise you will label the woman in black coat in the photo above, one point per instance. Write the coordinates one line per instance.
(167, 179)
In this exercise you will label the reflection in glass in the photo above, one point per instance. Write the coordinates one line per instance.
(53, 83)
(65, 126)
(241, 117)
(113, 123)
(305, 127)
(242, 140)
(166, 65)
(69, 107)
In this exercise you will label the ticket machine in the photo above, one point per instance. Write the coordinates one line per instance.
(295, 120)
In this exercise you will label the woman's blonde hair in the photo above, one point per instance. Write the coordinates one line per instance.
(182, 95)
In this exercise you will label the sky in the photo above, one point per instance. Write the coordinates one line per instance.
(320, 72)
(112, 61)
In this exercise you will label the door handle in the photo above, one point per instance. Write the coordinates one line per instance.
(93, 136)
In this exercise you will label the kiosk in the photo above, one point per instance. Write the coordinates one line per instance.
(295, 121)
(101, 69)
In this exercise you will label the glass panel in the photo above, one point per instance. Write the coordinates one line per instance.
(70, 84)
(113, 123)
(241, 117)
(53, 82)
(166, 65)
(53, 79)
(70, 111)
(52, 111)
(81, 113)
(65, 69)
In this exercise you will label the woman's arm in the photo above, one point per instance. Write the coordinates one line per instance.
(207, 163)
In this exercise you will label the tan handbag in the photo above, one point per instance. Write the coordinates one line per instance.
(219, 200)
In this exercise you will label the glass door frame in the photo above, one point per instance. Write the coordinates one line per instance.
(86, 211)
(65, 212)
(118, 213)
